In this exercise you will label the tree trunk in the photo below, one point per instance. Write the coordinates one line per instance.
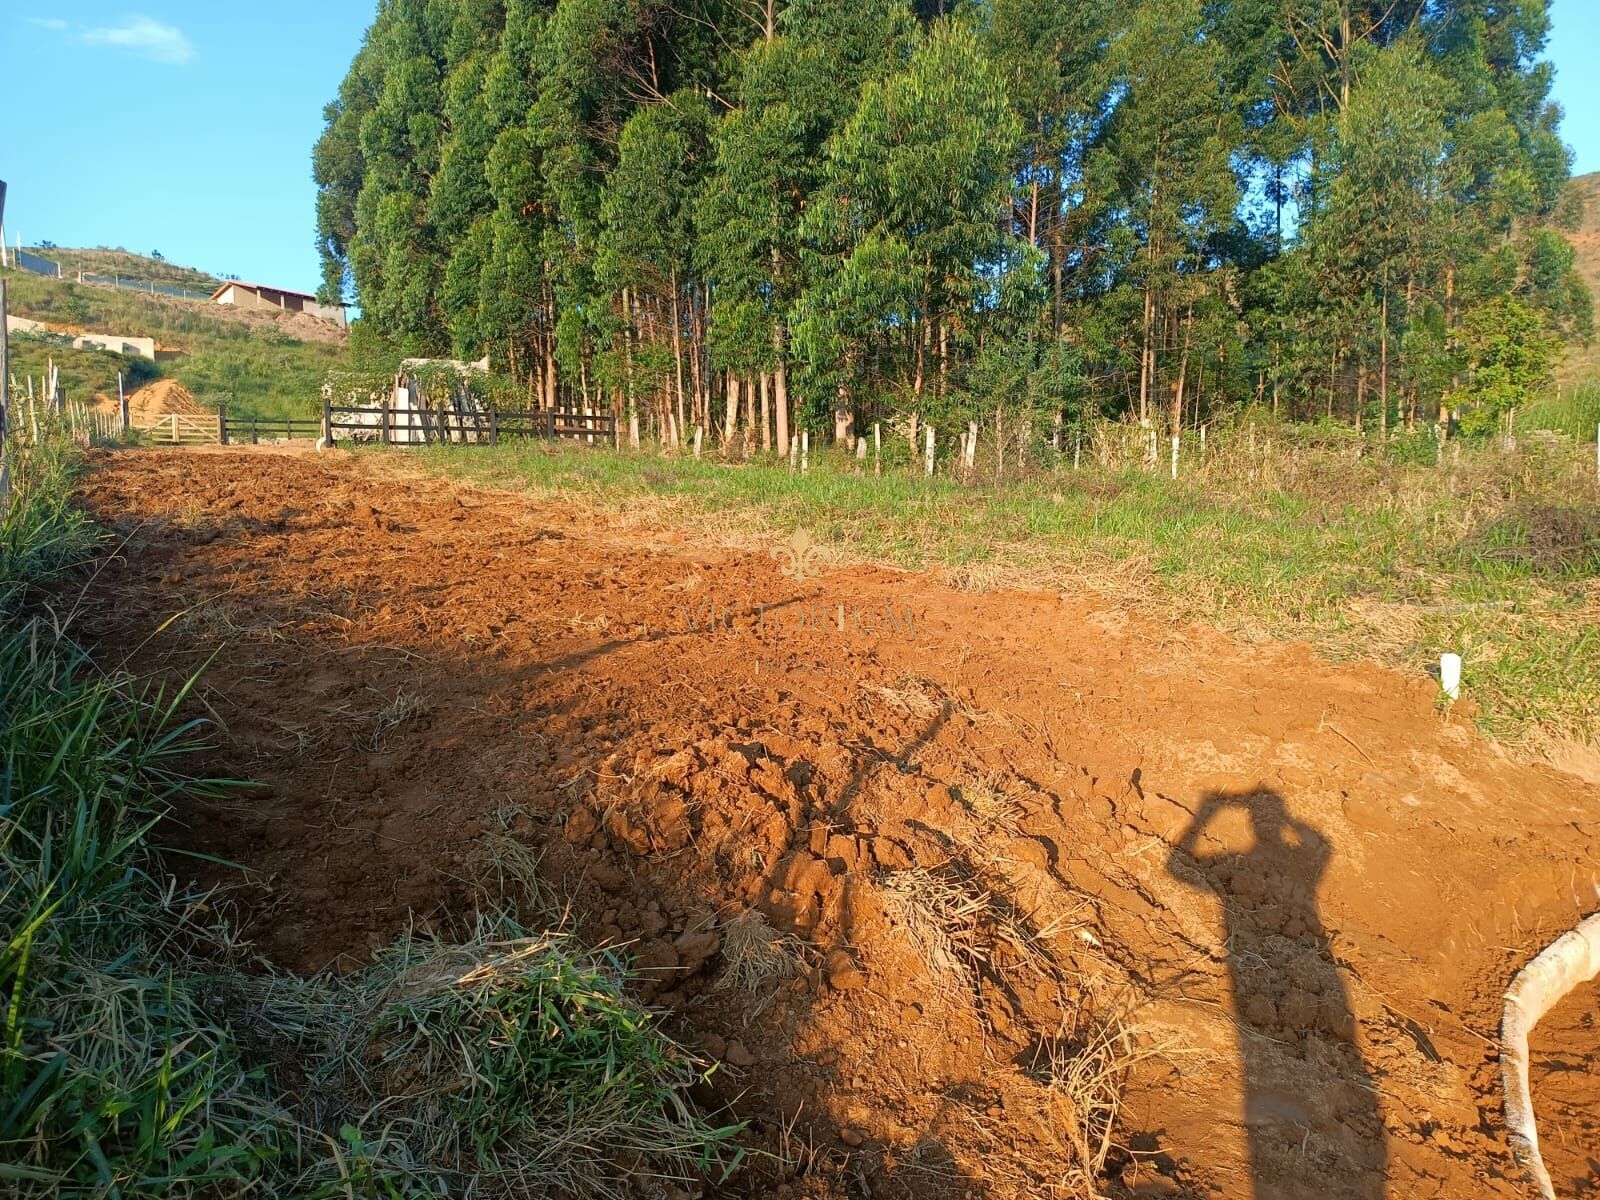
(677, 343)
(767, 428)
(1183, 374)
(780, 406)
(1383, 359)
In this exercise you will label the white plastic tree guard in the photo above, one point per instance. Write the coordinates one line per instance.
(1572, 959)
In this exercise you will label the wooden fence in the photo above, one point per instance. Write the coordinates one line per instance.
(396, 426)
(271, 429)
(182, 429)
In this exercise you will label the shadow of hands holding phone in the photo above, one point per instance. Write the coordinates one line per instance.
(1310, 1108)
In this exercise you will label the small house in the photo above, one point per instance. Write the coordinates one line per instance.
(258, 295)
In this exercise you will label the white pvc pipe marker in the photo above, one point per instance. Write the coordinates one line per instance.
(1572, 959)
(1450, 675)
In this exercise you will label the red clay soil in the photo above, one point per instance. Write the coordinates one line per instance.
(1564, 1056)
(987, 822)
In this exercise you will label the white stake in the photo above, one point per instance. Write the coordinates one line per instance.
(877, 449)
(1174, 456)
(929, 449)
(1450, 675)
(805, 451)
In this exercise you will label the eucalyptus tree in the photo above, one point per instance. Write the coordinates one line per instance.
(1160, 176)
(904, 236)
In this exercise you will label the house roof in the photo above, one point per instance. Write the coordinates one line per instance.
(260, 287)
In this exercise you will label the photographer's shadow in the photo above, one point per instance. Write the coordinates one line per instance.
(1310, 1108)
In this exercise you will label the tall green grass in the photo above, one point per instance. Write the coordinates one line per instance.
(1574, 413)
(142, 1054)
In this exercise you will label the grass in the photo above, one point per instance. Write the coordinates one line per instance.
(516, 1065)
(83, 373)
(144, 1054)
(1573, 412)
(1392, 552)
(257, 370)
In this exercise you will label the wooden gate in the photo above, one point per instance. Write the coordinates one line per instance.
(182, 429)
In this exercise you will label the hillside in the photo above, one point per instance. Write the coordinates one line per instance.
(1582, 363)
(103, 260)
(258, 362)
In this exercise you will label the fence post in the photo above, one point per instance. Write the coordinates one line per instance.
(5, 389)
(805, 451)
(928, 432)
(122, 404)
(222, 424)
(494, 427)
(254, 439)
(327, 421)
(550, 423)
(383, 419)
(877, 448)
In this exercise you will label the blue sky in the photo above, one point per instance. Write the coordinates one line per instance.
(183, 126)
(186, 127)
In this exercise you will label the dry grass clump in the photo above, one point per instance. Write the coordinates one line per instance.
(978, 575)
(1067, 1100)
(913, 695)
(990, 803)
(403, 708)
(756, 956)
(958, 926)
(513, 1065)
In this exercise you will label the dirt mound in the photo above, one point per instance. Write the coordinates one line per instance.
(158, 398)
(919, 868)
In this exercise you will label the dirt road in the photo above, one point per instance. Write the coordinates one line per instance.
(983, 824)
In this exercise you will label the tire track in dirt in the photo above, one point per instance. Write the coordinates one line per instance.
(974, 831)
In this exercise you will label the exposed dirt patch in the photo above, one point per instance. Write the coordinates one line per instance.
(1564, 1057)
(895, 876)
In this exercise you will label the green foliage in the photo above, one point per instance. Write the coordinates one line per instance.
(656, 205)
(1574, 413)
(1508, 357)
(83, 373)
(518, 1062)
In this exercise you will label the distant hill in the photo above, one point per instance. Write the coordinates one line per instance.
(1583, 362)
(103, 260)
(259, 362)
